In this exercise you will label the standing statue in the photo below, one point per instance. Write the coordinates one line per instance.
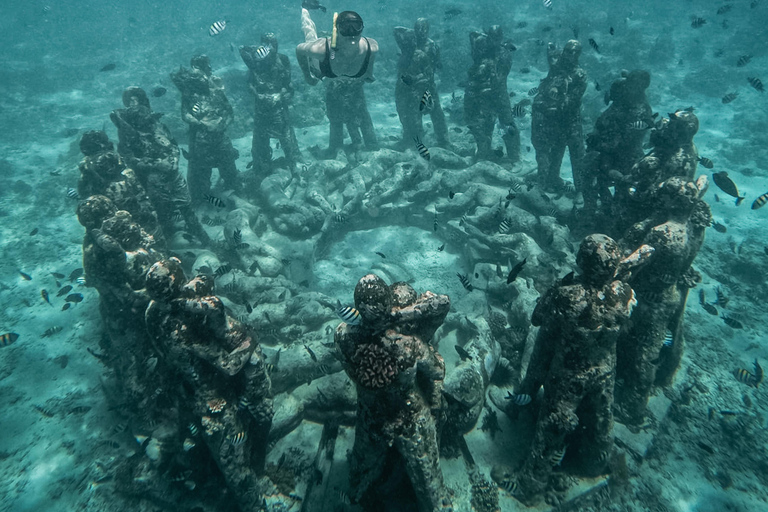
(269, 78)
(617, 142)
(556, 116)
(147, 146)
(574, 358)
(486, 98)
(206, 109)
(419, 59)
(399, 379)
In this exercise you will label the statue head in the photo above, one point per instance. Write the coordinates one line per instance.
(135, 97)
(598, 258)
(421, 29)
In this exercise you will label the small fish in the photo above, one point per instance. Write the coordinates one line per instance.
(72, 193)
(698, 22)
(25, 276)
(57, 275)
(514, 271)
(422, 149)
(730, 322)
(760, 201)
(724, 8)
(217, 27)
(80, 409)
(709, 308)
(222, 270)
(611, 31)
(743, 61)
(547, 3)
(465, 282)
(310, 352)
(349, 315)
(188, 444)
(746, 377)
(504, 225)
(159, 92)
(34, 232)
(638, 125)
(451, 194)
(719, 227)
(75, 274)
(262, 52)
(510, 486)
(248, 308)
(441, 248)
(51, 331)
(109, 67)
(756, 83)
(519, 399)
(237, 439)
(721, 300)
(533, 91)
(434, 224)
(192, 429)
(43, 410)
(427, 102)
(557, 456)
(669, 339)
(44, 295)
(519, 110)
(8, 338)
(594, 45)
(237, 236)
(383, 256)
(64, 291)
(706, 162)
(463, 354)
(730, 97)
(215, 201)
(74, 297)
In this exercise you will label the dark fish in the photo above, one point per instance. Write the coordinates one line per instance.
(224, 269)
(44, 295)
(75, 274)
(519, 109)
(248, 308)
(568, 279)
(312, 4)
(311, 353)
(25, 276)
(8, 338)
(237, 236)
(533, 91)
(597, 86)
(743, 61)
(33, 232)
(725, 184)
(698, 22)
(109, 67)
(719, 227)
(44, 411)
(519, 399)
(756, 83)
(74, 297)
(611, 31)
(730, 97)
(730, 322)
(381, 254)
(706, 162)
(724, 8)
(51, 331)
(435, 225)
(463, 354)
(64, 291)
(159, 91)
(215, 201)
(66, 306)
(451, 195)
(746, 377)
(465, 282)
(217, 27)
(452, 13)
(557, 456)
(594, 45)
(721, 299)
(441, 247)
(427, 102)
(760, 201)
(57, 275)
(422, 149)
(515, 271)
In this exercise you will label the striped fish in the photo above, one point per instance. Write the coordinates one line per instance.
(669, 339)
(188, 444)
(743, 61)
(237, 439)
(217, 27)
(518, 110)
(72, 194)
(465, 282)
(730, 97)
(427, 102)
(638, 125)
(51, 331)
(744, 376)
(192, 429)
(215, 201)
(504, 226)
(547, 3)
(760, 201)
(262, 52)
(224, 269)
(557, 456)
(533, 91)
(510, 486)
(519, 399)
(756, 83)
(422, 149)
(706, 162)
(196, 109)
(349, 315)
(8, 338)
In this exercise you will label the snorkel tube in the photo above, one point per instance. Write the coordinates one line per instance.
(333, 34)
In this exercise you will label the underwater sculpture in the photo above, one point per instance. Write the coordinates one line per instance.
(147, 146)
(651, 348)
(269, 79)
(556, 116)
(399, 378)
(574, 358)
(207, 111)
(222, 367)
(415, 90)
(616, 144)
(486, 97)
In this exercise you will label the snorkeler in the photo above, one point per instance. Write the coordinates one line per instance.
(346, 60)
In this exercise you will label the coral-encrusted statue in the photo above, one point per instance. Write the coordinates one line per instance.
(399, 378)
(575, 359)
(222, 366)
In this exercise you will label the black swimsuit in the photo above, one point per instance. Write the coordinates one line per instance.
(325, 64)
